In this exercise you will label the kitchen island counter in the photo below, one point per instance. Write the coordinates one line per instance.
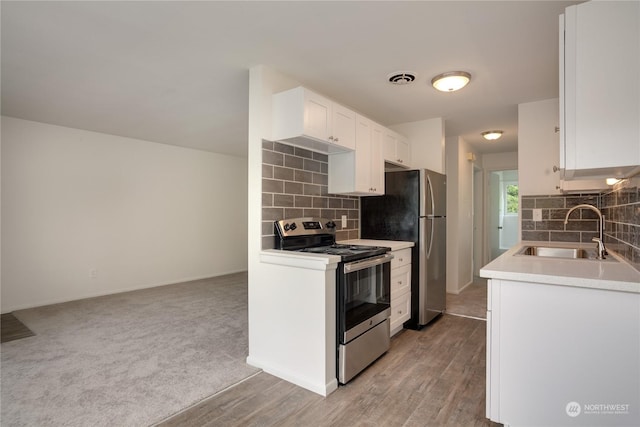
(613, 274)
(562, 334)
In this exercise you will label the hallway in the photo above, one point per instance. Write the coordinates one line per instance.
(471, 302)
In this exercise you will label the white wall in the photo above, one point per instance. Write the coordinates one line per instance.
(427, 143)
(459, 214)
(500, 161)
(135, 213)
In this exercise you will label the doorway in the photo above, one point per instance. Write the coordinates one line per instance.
(502, 211)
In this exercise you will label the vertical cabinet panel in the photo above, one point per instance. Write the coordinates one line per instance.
(600, 78)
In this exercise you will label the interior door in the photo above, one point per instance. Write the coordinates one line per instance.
(494, 215)
(503, 211)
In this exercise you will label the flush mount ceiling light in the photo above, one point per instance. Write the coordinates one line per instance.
(492, 135)
(613, 181)
(451, 81)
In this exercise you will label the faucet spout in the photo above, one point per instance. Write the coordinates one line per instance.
(602, 250)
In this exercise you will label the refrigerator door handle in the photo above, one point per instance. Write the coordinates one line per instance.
(430, 236)
(433, 205)
(433, 212)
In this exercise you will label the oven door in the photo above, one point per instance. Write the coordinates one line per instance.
(364, 296)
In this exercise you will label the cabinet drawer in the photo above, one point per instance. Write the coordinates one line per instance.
(400, 311)
(400, 258)
(400, 281)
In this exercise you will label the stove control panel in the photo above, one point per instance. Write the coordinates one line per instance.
(304, 227)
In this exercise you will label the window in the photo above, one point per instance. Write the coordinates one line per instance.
(511, 199)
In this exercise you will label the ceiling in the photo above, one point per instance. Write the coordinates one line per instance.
(178, 72)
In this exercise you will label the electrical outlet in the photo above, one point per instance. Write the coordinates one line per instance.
(344, 221)
(537, 215)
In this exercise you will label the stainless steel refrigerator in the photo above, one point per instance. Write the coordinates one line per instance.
(414, 209)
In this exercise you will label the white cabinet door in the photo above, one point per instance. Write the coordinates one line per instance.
(364, 128)
(538, 147)
(400, 312)
(402, 151)
(389, 140)
(377, 160)
(400, 280)
(358, 172)
(400, 289)
(343, 127)
(309, 120)
(395, 148)
(600, 87)
(546, 348)
(317, 116)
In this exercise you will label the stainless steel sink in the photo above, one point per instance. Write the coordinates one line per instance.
(556, 252)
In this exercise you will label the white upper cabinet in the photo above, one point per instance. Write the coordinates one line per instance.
(304, 118)
(600, 89)
(360, 172)
(395, 148)
(539, 155)
(538, 152)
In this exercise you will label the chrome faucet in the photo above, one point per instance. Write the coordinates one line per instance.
(601, 251)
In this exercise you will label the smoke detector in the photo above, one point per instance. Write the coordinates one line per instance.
(401, 78)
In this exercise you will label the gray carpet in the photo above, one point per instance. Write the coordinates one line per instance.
(129, 359)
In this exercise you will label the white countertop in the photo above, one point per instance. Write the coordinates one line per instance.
(395, 245)
(322, 261)
(300, 259)
(585, 273)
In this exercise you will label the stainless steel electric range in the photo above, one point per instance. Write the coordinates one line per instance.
(363, 279)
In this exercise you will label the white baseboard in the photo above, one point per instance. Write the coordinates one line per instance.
(109, 292)
(294, 378)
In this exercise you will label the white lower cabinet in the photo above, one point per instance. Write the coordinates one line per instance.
(562, 355)
(400, 289)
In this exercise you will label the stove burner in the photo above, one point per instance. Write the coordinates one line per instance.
(317, 235)
(347, 252)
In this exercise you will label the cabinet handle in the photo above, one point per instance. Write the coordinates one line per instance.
(330, 138)
(399, 282)
(399, 311)
(557, 129)
(399, 160)
(555, 168)
(335, 139)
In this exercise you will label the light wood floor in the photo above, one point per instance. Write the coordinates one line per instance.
(472, 301)
(435, 376)
(12, 329)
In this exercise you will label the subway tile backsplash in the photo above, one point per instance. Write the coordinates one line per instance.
(582, 226)
(620, 206)
(294, 184)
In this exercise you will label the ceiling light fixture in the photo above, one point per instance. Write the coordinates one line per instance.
(451, 81)
(613, 181)
(492, 135)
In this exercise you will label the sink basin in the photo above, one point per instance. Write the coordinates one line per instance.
(555, 252)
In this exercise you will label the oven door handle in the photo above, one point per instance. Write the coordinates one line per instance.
(367, 263)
